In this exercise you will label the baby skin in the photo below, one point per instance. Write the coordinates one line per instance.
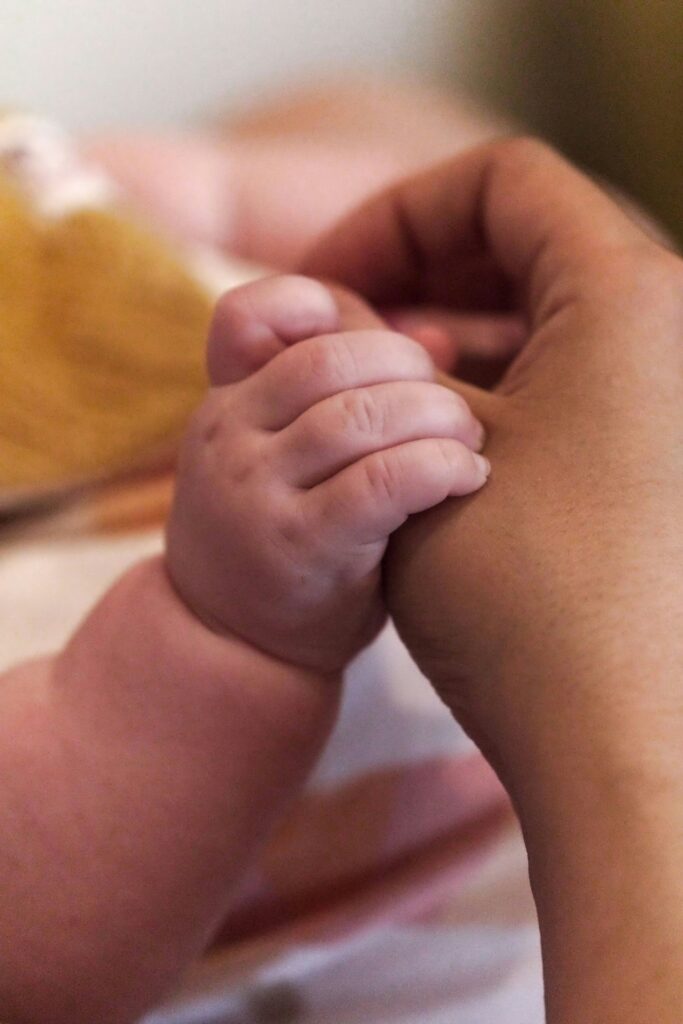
(144, 765)
(322, 433)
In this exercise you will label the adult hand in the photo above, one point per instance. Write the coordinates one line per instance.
(547, 611)
(264, 184)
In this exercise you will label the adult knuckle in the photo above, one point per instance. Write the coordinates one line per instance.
(647, 277)
(523, 150)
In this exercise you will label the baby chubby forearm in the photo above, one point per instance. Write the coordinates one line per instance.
(141, 768)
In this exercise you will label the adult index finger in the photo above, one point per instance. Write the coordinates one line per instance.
(547, 227)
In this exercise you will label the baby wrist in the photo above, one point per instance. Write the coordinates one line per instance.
(152, 656)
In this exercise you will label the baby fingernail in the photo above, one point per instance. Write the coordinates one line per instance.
(480, 439)
(483, 465)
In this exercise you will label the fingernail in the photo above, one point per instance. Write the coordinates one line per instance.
(482, 464)
(480, 439)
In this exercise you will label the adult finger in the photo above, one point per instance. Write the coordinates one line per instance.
(547, 228)
(460, 335)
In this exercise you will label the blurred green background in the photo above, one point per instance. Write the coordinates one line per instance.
(603, 79)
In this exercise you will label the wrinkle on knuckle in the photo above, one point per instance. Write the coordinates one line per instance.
(382, 478)
(231, 458)
(362, 413)
(295, 543)
(209, 423)
(204, 424)
(449, 458)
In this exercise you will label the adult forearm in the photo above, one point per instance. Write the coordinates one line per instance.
(601, 804)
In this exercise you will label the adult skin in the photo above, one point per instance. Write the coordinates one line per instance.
(548, 610)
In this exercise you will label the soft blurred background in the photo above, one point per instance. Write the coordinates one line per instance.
(151, 62)
(602, 78)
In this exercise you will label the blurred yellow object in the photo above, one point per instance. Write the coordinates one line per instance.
(102, 332)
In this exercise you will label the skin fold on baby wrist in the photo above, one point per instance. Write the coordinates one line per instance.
(164, 656)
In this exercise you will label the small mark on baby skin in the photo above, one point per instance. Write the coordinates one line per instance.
(210, 432)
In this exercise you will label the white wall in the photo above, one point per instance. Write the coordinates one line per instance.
(140, 62)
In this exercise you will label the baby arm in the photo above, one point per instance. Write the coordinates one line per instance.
(141, 770)
(144, 765)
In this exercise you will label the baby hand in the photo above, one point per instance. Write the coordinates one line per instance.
(321, 434)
